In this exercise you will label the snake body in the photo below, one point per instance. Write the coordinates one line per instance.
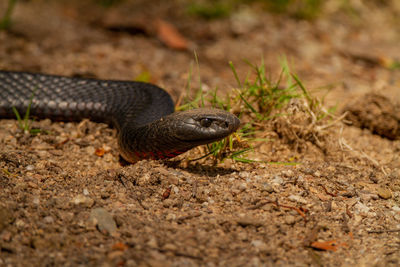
(142, 113)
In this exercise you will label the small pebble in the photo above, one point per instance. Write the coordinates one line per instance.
(83, 200)
(173, 179)
(290, 219)
(259, 244)
(168, 203)
(249, 221)
(267, 187)
(317, 174)
(6, 236)
(361, 208)
(170, 247)
(170, 217)
(396, 208)
(152, 243)
(244, 175)
(297, 199)
(48, 219)
(104, 221)
(36, 201)
(30, 168)
(384, 192)
(19, 223)
(288, 173)
(277, 180)
(242, 187)
(175, 189)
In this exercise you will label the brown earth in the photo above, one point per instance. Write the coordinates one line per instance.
(63, 204)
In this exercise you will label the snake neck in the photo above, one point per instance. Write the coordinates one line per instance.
(154, 140)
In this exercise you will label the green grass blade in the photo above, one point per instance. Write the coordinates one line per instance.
(235, 74)
(18, 117)
(6, 20)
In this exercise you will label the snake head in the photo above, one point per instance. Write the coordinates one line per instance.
(176, 133)
(203, 126)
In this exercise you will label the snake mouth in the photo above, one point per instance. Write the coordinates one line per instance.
(196, 142)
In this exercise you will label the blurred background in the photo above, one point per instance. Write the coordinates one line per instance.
(349, 45)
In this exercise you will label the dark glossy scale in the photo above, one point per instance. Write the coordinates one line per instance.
(142, 112)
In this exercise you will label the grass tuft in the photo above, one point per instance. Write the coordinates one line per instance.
(264, 105)
(25, 123)
(210, 9)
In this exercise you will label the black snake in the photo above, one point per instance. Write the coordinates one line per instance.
(143, 113)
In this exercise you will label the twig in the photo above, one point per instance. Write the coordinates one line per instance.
(342, 143)
(322, 127)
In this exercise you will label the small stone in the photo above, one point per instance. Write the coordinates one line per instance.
(242, 235)
(298, 199)
(288, 173)
(317, 174)
(36, 201)
(103, 220)
(83, 200)
(277, 180)
(170, 217)
(173, 179)
(244, 175)
(395, 174)
(242, 187)
(259, 244)
(105, 195)
(331, 169)
(170, 247)
(244, 21)
(374, 178)
(396, 208)
(360, 208)
(90, 150)
(19, 224)
(350, 192)
(175, 189)
(290, 219)
(30, 168)
(152, 243)
(267, 187)
(384, 192)
(48, 219)
(85, 192)
(32, 185)
(168, 203)
(246, 220)
(6, 236)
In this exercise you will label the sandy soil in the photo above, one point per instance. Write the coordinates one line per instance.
(61, 204)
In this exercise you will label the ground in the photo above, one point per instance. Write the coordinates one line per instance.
(64, 204)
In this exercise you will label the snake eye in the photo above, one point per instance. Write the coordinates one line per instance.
(205, 122)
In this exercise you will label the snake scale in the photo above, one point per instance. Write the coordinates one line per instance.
(142, 113)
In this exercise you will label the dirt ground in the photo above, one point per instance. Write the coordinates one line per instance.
(61, 204)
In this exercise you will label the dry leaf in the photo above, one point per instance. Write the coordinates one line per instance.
(100, 152)
(119, 246)
(327, 245)
(170, 36)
